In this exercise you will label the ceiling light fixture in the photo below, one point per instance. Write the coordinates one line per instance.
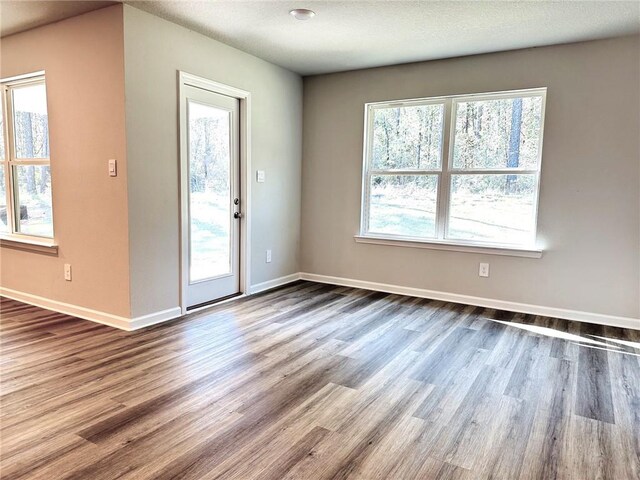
(302, 13)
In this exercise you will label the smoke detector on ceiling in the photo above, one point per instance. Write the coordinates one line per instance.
(302, 13)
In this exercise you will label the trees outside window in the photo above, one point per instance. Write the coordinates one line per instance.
(463, 169)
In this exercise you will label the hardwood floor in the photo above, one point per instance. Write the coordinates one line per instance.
(314, 381)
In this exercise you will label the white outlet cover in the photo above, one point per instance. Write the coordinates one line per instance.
(483, 271)
(260, 176)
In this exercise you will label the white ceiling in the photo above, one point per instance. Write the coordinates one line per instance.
(347, 35)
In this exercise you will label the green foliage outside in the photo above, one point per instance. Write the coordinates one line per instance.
(488, 135)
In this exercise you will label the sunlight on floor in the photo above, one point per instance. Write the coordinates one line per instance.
(550, 332)
(626, 343)
(607, 349)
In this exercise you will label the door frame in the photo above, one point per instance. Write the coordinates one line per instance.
(244, 97)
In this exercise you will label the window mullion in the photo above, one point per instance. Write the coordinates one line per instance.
(366, 184)
(31, 161)
(9, 142)
(445, 178)
(9, 154)
(404, 172)
(479, 171)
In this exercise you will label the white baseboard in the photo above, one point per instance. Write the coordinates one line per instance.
(117, 321)
(276, 282)
(155, 317)
(175, 312)
(580, 316)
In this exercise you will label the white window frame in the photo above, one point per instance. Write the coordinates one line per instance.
(14, 238)
(441, 240)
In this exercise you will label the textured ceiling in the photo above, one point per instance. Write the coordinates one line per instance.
(347, 35)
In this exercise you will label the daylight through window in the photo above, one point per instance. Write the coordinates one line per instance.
(25, 176)
(462, 169)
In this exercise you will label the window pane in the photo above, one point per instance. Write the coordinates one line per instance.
(502, 133)
(4, 221)
(33, 199)
(2, 154)
(30, 121)
(407, 137)
(210, 252)
(403, 205)
(492, 208)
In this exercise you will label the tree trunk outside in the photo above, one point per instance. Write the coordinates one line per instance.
(513, 156)
(44, 178)
(420, 136)
(31, 170)
(386, 143)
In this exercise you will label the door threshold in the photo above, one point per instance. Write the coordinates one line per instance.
(202, 305)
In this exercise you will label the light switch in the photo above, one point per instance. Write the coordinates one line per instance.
(113, 168)
(260, 176)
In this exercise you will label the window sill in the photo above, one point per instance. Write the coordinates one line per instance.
(448, 245)
(45, 247)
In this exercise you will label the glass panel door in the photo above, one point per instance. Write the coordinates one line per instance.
(210, 195)
(209, 191)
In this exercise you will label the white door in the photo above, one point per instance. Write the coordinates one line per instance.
(211, 208)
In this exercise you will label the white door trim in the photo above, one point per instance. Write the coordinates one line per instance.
(244, 98)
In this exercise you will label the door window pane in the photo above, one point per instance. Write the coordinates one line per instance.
(492, 208)
(403, 205)
(33, 199)
(407, 137)
(30, 121)
(209, 191)
(501, 133)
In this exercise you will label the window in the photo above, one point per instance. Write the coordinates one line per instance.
(25, 176)
(463, 170)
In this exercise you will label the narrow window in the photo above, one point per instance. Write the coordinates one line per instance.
(25, 179)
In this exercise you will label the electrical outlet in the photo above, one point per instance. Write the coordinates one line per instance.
(268, 259)
(484, 270)
(67, 272)
(260, 176)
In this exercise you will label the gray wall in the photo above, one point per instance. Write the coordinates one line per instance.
(589, 221)
(154, 50)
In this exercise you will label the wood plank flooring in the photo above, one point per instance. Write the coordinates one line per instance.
(314, 381)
